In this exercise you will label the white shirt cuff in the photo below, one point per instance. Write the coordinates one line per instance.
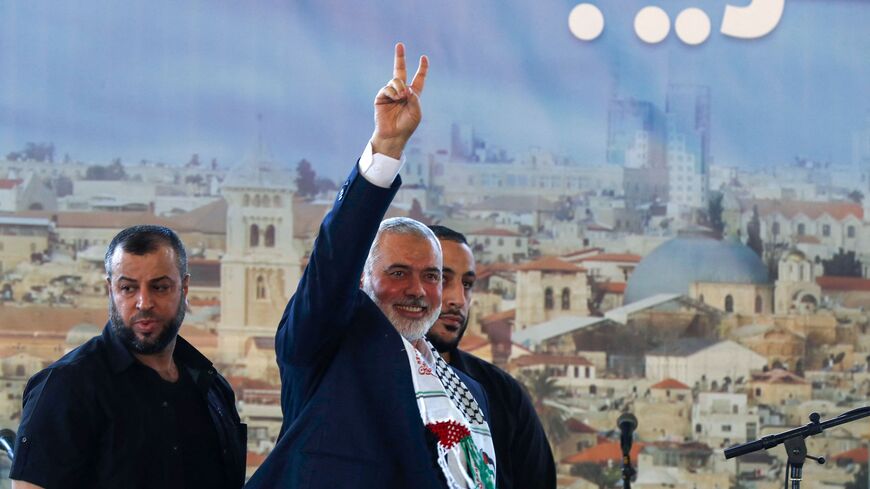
(379, 169)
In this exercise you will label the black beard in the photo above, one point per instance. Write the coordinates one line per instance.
(446, 346)
(129, 339)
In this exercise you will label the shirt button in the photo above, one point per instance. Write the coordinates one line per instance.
(23, 439)
(164, 404)
(174, 448)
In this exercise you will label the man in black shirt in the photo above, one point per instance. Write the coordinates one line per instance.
(138, 406)
(524, 458)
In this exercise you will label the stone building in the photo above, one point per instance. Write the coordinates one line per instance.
(261, 265)
(548, 288)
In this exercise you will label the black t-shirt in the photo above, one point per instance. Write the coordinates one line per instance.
(99, 419)
(523, 456)
(189, 437)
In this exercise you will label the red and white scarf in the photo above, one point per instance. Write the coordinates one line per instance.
(465, 449)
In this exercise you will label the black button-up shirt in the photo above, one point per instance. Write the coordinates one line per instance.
(97, 418)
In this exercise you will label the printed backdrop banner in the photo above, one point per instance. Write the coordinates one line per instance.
(162, 80)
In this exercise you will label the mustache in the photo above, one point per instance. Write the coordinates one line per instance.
(142, 315)
(413, 302)
(453, 311)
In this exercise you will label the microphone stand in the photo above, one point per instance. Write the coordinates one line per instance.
(627, 470)
(795, 443)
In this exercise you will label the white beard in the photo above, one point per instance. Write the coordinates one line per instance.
(411, 329)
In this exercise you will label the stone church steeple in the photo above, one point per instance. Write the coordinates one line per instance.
(261, 266)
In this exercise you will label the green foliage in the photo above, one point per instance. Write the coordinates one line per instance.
(753, 231)
(541, 387)
(714, 212)
(306, 179)
(843, 264)
(601, 475)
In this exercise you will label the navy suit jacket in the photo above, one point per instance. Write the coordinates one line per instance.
(350, 416)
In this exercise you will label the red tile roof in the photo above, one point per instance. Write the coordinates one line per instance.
(778, 376)
(612, 287)
(255, 459)
(584, 251)
(670, 384)
(574, 425)
(856, 455)
(613, 257)
(808, 240)
(603, 453)
(813, 210)
(527, 360)
(550, 264)
(6, 183)
(495, 232)
(471, 342)
(843, 283)
(499, 316)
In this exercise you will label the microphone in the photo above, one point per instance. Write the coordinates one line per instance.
(7, 442)
(627, 423)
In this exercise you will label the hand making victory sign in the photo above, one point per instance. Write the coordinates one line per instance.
(397, 107)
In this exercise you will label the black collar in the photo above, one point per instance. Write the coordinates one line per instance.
(121, 359)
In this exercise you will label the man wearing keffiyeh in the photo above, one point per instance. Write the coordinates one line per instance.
(367, 401)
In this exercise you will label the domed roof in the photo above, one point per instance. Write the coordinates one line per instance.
(82, 332)
(677, 263)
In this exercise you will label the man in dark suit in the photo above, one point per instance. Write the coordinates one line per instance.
(525, 460)
(366, 401)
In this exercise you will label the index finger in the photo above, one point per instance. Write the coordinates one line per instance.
(420, 76)
(399, 70)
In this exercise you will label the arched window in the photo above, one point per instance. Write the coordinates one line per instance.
(701, 298)
(261, 287)
(266, 201)
(276, 201)
(269, 239)
(254, 239)
(548, 298)
(775, 228)
(759, 303)
(802, 229)
(246, 200)
(566, 299)
(256, 201)
(729, 303)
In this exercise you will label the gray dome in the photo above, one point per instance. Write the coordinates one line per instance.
(82, 332)
(677, 263)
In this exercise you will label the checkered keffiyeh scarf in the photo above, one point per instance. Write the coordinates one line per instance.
(465, 450)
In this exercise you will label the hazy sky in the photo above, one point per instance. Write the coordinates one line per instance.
(160, 80)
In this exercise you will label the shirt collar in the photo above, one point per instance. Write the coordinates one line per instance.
(120, 357)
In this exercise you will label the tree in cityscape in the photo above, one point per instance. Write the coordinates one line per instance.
(843, 264)
(41, 152)
(601, 475)
(714, 213)
(194, 160)
(856, 196)
(416, 212)
(306, 179)
(323, 184)
(115, 171)
(542, 387)
(753, 232)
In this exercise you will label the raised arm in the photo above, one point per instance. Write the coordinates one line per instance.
(320, 311)
(397, 107)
